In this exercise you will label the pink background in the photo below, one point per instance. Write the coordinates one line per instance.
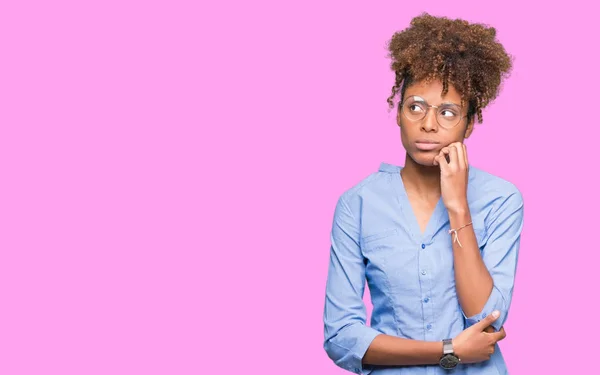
(169, 172)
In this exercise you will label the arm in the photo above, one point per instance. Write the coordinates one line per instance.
(485, 279)
(349, 342)
(395, 351)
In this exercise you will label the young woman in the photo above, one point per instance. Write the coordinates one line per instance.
(437, 240)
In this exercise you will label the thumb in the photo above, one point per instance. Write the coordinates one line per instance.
(488, 320)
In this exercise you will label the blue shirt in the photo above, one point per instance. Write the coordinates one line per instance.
(376, 238)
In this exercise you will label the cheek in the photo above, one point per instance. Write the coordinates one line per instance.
(452, 136)
(405, 136)
(454, 139)
(408, 130)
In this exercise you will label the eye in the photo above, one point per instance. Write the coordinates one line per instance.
(448, 112)
(416, 108)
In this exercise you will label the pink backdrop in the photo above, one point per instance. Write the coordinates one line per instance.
(169, 172)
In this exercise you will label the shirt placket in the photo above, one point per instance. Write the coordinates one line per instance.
(426, 278)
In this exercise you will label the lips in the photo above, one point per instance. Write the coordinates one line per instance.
(426, 145)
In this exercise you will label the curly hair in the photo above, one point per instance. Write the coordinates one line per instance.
(456, 52)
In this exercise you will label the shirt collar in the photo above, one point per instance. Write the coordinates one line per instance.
(392, 168)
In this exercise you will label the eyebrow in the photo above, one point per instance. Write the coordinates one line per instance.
(420, 99)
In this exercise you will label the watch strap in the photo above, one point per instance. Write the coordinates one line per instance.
(448, 347)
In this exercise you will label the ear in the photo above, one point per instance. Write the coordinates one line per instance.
(398, 115)
(470, 127)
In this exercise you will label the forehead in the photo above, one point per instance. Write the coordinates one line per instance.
(432, 92)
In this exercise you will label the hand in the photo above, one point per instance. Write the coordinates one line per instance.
(454, 175)
(491, 329)
(474, 344)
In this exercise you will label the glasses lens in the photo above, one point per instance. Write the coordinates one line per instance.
(448, 115)
(414, 110)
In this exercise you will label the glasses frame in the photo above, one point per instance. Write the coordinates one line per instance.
(429, 106)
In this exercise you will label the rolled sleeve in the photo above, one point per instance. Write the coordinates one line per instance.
(494, 302)
(500, 255)
(347, 337)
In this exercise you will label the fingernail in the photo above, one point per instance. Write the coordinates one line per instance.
(496, 314)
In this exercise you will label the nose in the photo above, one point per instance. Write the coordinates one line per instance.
(429, 122)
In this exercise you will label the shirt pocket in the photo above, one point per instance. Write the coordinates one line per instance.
(376, 240)
(388, 240)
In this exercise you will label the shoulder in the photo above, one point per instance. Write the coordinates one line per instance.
(376, 185)
(494, 190)
(488, 183)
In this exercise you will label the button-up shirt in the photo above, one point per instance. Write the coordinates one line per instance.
(376, 239)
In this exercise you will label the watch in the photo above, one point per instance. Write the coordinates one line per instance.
(449, 359)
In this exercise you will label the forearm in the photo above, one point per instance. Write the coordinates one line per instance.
(389, 350)
(473, 281)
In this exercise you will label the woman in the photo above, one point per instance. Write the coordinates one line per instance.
(436, 239)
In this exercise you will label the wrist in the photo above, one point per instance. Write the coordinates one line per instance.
(449, 359)
(456, 348)
(459, 210)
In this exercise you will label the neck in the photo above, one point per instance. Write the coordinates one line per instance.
(420, 179)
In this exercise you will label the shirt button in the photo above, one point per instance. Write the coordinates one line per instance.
(426, 299)
(429, 327)
(423, 272)
(422, 246)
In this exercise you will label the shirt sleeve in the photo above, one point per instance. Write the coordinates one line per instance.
(500, 256)
(347, 337)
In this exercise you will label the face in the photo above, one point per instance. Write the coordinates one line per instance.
(423, 139)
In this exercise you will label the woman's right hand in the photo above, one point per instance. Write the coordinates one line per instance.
(474, 344)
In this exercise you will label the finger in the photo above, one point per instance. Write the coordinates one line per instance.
(465, 153)
(454, 156)
(460, 152)
(440, 155)
(497, 336)
(441, 159)
(445, 153)
(487, 321)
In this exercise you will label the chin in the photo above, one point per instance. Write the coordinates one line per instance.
(424, 158)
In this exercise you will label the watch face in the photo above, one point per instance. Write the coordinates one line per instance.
(449, 361)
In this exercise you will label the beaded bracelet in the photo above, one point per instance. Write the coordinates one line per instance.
(455, 231)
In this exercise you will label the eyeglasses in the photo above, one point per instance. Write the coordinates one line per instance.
(448, 115)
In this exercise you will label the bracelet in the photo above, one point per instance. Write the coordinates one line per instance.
(455, 231)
